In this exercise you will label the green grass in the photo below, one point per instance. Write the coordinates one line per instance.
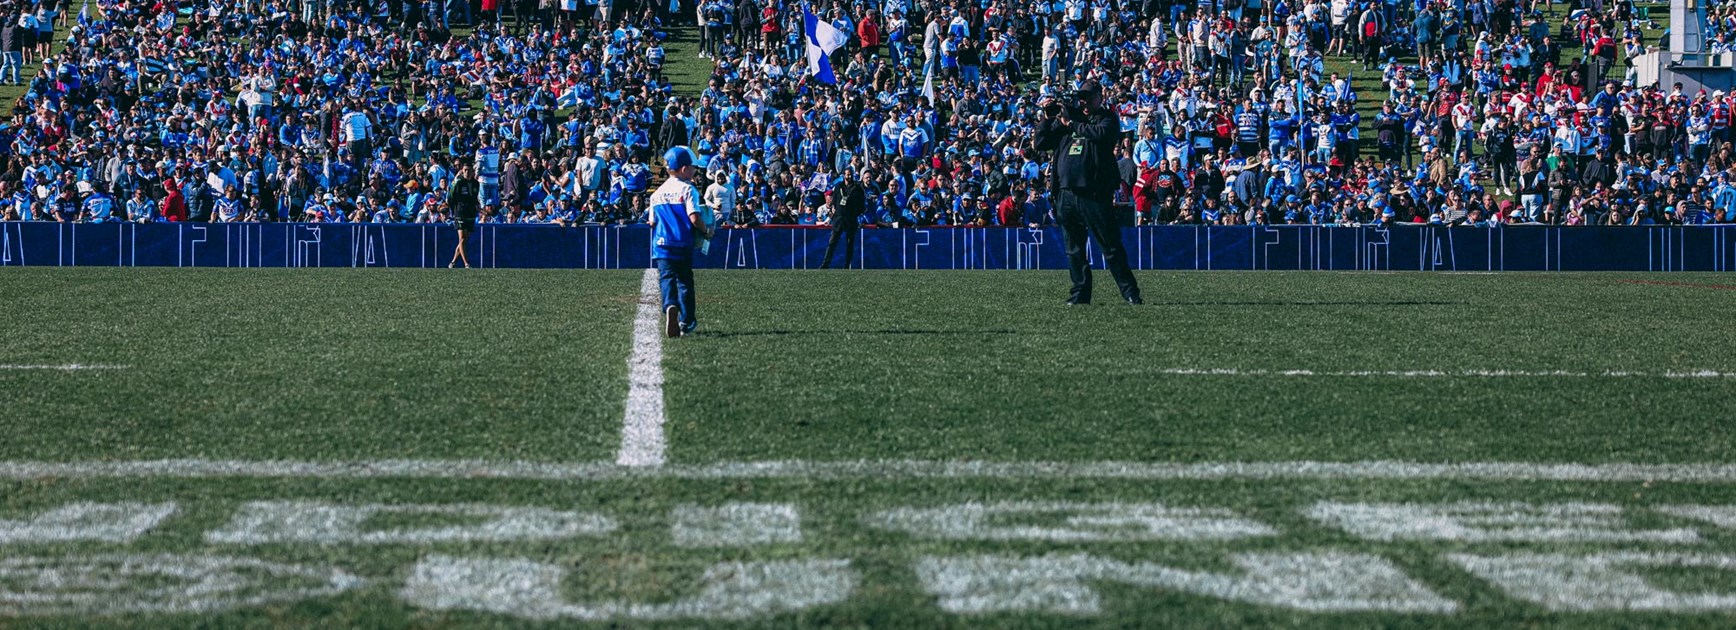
(686, 71)
(988, 365)
(361, 365)
(259, 364)
(353, 365)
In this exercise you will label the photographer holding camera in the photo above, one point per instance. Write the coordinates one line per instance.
(1082, 179)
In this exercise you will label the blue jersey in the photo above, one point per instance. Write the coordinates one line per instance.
(488, 165)
(672, 227)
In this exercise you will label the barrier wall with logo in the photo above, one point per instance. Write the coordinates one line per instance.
(1400, 248)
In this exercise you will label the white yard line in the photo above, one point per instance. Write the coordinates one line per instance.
(1446, 373)
(642, 441)
(69, 367)
(1717, 473)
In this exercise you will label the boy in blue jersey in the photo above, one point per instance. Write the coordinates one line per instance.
(677, 227)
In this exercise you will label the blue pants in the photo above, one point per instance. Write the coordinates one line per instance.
(14, 61)
(676, 277)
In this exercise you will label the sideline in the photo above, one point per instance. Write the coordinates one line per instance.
(642, 440)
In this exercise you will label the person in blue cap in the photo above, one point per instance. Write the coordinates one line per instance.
(677, 226)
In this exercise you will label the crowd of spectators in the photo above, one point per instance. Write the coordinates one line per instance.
(1342, 112)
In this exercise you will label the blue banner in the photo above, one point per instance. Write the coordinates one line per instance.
(1401, 248)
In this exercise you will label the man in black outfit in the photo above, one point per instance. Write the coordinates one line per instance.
(847, 204)
(1083, 136)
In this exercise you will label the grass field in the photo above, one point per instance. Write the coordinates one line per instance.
(889, 449)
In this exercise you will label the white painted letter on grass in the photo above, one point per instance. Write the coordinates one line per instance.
(1605, 581)
(532, 590)
(736, 525)
(124, 584)
(1317, 582)
(268, 522)
(1723, 516)
(105, 522)
(1069, 522)
(1489, 522)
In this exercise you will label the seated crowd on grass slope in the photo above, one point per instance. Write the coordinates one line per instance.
(1339, 112)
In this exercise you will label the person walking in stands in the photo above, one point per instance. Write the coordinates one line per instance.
(677, 226)
(464, 206)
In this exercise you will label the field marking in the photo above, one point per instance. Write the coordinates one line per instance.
(105, 522)
(1067, 583)
(1067, 522)
(529, 589)
(69, 367)
(1723, 516)
(1446, 373)
(735, 525)
(1599, 581)
(119, 584)
(1480, 521)
(877, 469)
(277, 522)
(642, 442)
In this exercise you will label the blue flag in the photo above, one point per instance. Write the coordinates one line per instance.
(822, 38)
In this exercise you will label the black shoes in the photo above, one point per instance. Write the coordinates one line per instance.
(1132, 300)
(672, 321)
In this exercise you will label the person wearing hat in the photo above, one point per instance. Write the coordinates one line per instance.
(678, 225)
(1083, 136)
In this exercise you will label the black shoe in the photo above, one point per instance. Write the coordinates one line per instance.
(672, 321)
(1135, 300)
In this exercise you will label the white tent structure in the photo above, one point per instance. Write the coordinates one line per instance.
(1685, 61)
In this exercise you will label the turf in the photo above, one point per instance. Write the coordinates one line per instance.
(255, 364)
(943, 365)
(841, 366)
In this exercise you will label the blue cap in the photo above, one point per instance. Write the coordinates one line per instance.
(677, 157)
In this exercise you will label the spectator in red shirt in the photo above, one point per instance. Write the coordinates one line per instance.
(174, 205)
(868, 33)
(1008, 211)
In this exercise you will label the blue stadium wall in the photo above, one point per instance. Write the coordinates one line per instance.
(1170, 247)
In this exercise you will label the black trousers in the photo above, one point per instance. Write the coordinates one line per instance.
(1081, 218)
(853, 234)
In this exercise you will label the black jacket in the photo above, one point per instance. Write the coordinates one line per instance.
(1597, 172)
(1084, 153)
(849, 206)
(462, 198)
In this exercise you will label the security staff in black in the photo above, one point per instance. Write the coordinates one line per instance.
(848, 204)
(1082, 182)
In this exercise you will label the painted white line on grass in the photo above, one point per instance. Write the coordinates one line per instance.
(280, 522)
(735, 525)
(642, 430)
(1480, 521)
(1719, 473)
(69, 367)
(1446, 373)
(1068, 583)
(118, 584)
(105, 522)
(1068, 522)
